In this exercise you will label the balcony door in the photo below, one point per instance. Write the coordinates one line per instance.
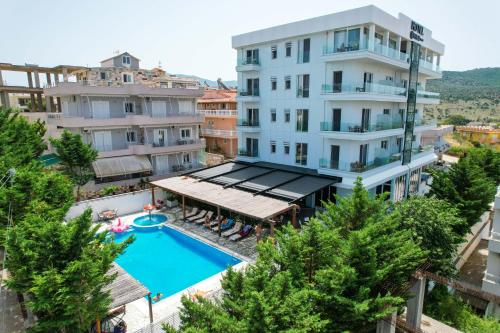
(253, 117)
(159, 137)
(334, 156)
(367, 81)
(252, 56)
(161, 164)
(365, 120)
(252, 146)
(100, 110)
(336, 119)
(363, 154)
(103, 141)
(158, 109)
(253, 87)
(337, 81)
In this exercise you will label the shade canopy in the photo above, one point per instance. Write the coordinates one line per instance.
(124, 289)
(124, 165)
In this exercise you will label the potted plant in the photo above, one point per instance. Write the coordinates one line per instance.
(171, 200)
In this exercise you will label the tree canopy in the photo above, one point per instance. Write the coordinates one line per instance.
(342, 271)
(76, 158)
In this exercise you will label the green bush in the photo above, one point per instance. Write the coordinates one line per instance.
(108, 190)
(457, 151)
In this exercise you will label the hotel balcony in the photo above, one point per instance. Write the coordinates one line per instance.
(248, 155)
(249, 126)
(247, 65)
(219, 133)
(427, 97)
(248, 95)
(494, 242)
(152, 148)
(384, 159)
(422, 125)
(106, 88)
(129, 120)
(363, 92)
(380, 53)
(218, 113)
(491, 283)
(356, 131)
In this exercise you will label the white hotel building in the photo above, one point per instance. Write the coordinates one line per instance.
(329, 94)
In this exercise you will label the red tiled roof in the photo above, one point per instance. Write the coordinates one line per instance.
(218, 95)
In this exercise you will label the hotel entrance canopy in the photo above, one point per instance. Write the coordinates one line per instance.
(260, 191)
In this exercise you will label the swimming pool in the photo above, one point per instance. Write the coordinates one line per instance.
(167, 261)
(149, 220)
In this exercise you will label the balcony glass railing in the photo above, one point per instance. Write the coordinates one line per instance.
(254, 92)
(427, 94)
(359, 128)
(342, 48)
(429, 65)
(357, 166)
(247, 153)
(248, 61)
(247, 123)
(371, 88)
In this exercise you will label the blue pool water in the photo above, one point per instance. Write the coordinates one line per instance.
(149, 220)
(168, 261)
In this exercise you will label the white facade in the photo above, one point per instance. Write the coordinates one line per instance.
(349, 70)
(491, 280)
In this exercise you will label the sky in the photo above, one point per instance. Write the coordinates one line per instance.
(194, 37)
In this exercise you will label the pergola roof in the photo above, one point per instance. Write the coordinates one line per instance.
(124, 289)
(232, 199)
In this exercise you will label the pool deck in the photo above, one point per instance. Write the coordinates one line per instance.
(137, 312)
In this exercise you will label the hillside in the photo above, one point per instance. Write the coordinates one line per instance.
(475, 94)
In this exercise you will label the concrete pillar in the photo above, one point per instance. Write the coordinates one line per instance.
(387, 325)
(4, 99)
(361, 37)
(386, 42)
(65, 74)
(371, 37)
(415, 305)
(34, 107)
(398, 43)
(50, 100)
(1, 79)
(438, 60)
(38, 95)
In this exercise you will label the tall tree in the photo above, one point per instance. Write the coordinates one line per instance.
(62, 267)
(76, 158)
(332, 276)
(437, 227)
(486, 159)
(466, 186)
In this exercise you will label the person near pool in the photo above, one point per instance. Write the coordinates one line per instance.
(157, 297)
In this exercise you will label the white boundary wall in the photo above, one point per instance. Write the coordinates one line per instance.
(126, 203)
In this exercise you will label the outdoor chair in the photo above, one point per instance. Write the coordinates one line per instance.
(224, 227)
(233, 231)
(243, 233)
(192, 212)
(201, 220)
(197, 216)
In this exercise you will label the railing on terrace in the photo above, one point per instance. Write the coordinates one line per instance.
(248, 61)
(219, 113)
(326, 126)
(247, 153)
(427, 94)
(357, 166)
(244, 93)
(424, 122)
(112, 83)
(218, 132)
(371, 88)
(422, 149)
(247, 123)
(177, 142)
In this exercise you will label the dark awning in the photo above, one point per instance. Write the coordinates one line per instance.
(124, 165)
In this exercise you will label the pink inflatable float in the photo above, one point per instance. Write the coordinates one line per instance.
(120, 227)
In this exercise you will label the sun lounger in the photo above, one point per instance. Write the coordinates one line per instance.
(233, 231)
(224, 227)
(243, 233)
(215, 222)
(192, 212)
(203, 219)
(197, 216)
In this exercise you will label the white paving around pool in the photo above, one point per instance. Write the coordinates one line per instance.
(137, 313)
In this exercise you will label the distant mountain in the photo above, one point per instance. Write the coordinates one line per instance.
(211, 83)
(480, 83)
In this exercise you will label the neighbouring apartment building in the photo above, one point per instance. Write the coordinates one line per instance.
(329, 94)
(484, 134)
(491, 280)
(219, 129)
(142, 122)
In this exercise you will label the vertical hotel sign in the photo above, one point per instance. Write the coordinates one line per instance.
(416, 37)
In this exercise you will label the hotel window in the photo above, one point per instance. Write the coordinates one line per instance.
(126, 60)
(304, 47)
(393, 44)
(129, 107)
(301, 153)
(273, 147)
(131, 137)
(399, 144)
(186, 158)
(127, 78)
(302, 120)
(389, 78)
(383, 144)
(185, 133)
(303, 85)
(387, 111)
(273, 115)
(274, 52)
(103, 75)
(288, 49)
(287, 115)
(273, 83)
(252, 57)
(288, 82)
(286, 148)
